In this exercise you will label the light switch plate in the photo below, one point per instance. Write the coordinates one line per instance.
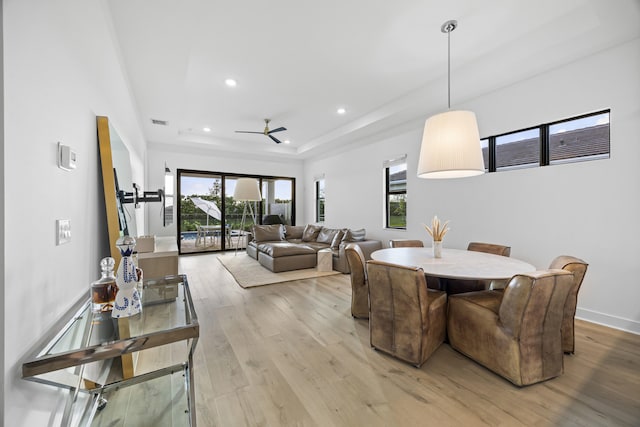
(63, 231)
(66, 157)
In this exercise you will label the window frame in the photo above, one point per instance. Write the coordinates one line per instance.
(545, 141)
(320, 218)
(388, 192)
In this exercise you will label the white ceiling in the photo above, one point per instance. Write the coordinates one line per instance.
(297, 61)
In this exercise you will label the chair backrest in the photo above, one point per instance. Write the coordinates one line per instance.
(359, 286)
(405, 243)
(531, 311)
(272, 219)
(579, 268)
(398, 315)
(489, 248)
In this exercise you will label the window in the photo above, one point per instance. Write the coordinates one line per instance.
(518, 149)
(484, 144)
(576, 139)
(396, 193)
(320, 200)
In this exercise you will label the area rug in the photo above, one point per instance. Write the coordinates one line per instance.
(249, 273)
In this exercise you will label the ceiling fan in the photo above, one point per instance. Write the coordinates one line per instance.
(266, 131)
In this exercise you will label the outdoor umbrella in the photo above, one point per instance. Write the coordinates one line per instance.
(209, 207)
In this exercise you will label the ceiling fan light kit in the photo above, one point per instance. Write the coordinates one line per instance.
(266, 131)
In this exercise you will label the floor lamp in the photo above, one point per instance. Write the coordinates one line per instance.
(247, 190)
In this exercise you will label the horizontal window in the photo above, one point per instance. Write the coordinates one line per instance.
(580, 138)
(518, 149)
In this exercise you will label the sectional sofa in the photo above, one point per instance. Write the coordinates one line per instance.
(280, 247)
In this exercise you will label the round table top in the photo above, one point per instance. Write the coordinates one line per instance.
(455, 263)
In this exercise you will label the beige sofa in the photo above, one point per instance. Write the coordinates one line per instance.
(280, 247)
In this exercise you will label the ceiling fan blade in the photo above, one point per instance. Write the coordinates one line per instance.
(275, 139)
(280, 129)
(247, 131)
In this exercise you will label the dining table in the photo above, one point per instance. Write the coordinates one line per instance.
(456, 263)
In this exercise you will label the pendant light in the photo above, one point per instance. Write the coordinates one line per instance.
(451, 141)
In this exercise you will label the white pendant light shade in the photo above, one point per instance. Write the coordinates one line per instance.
(247, 189)
(451, 146)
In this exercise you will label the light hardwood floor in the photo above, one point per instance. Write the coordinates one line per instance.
(291, 354)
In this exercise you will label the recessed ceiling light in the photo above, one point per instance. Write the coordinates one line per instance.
(230, 82)
(341, 110)
(206, 129)
(286, 141)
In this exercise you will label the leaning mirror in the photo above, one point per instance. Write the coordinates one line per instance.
(116, 174)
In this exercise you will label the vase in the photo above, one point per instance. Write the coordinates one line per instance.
(128, 302)
(437, 249)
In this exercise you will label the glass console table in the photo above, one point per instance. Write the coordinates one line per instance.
(128, 371)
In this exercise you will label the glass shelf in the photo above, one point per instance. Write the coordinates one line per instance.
(100, 356)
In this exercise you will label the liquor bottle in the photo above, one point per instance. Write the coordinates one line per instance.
(103, 290)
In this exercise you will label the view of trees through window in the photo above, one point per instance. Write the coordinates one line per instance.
(320, 200)
(210, 218)
(396, 195)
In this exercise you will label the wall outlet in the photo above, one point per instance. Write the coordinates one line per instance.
(63, 231)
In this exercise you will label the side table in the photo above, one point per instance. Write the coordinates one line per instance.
(325, 260)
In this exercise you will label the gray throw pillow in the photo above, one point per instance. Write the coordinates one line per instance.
(311, 233)
(335, 243)
(268, 233)
(326, 235)
(356, 235)
(293, 231)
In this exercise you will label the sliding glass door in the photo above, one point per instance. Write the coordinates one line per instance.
(200, 215)
(211, 219)
(277, 200)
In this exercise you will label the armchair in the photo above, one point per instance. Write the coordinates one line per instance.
(515, 333)
(359, 284)
(579, 268)
(406, 320)
(456, 286)
(405, 243)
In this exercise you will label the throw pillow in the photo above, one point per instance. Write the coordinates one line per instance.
(311, 232)
(335, 243)
(268, 233)
(357, 235)
(326, 235)
(293, 231)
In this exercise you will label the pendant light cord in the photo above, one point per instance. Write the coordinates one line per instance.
(449, 69)
(447, 27)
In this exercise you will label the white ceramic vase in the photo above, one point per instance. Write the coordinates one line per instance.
(437, 249)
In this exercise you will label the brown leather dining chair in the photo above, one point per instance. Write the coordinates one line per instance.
(515, 333)
(579, 268)
(405, 243)
(359, 283)
(489, 248)
(432, 282)
(406, 320)
(456, 286)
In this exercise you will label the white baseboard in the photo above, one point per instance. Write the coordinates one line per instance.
(604, 319)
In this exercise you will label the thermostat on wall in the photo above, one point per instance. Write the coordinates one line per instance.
(66, 157)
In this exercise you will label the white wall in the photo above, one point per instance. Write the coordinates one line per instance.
(60, 71)
(587, 209)
(211, 161)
